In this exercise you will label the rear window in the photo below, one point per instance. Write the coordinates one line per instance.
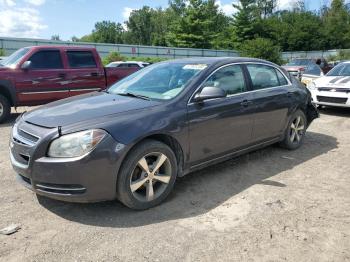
(81, 59)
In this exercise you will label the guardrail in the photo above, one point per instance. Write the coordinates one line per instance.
(10, 45)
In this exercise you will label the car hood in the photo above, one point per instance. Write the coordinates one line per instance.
(333, 81)
(83, 108)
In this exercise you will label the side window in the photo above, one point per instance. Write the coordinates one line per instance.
(313, 69)
(229, 78)
(48, 59)
(81, 59)
(123, 65)
(281, 78)
(263, 76)
(134, 65)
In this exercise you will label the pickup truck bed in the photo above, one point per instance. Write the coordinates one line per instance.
(42, 74)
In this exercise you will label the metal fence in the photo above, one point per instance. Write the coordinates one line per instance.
(10, 45)
(310, 54)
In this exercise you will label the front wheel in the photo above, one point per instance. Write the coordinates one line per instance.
(5, 109)
(147, 176)
(295, 131)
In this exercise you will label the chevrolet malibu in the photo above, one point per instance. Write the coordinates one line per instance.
(132, 141)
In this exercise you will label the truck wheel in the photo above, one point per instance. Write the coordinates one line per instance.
(5, 109)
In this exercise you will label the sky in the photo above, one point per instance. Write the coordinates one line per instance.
(67, 18)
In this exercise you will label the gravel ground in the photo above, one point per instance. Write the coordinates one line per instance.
(270, 205)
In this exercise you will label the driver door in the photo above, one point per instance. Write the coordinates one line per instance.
(223, 125)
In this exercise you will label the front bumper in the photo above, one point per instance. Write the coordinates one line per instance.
(328, 98)
(91, 178)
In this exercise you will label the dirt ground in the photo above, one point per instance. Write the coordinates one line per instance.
(270, 205)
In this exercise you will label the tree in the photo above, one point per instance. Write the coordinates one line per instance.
(140, 26)
(55, 38)
(337, 25)
(245, 20)
(261, 48)
(199, 26)
(266, 7)
(105, 32)
(75, 39)
(108, 32)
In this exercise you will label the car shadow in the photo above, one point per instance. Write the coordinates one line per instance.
(335, 111)
(202, 191)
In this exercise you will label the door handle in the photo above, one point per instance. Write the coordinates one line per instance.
(61, 75)
(289, 94)
(246, 103)
(94, 74)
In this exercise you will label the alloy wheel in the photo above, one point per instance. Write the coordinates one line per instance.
(297, 130)
(150, 177)
(1, 109)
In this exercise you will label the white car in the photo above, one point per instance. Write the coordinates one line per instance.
(128, 64)
(333, 89)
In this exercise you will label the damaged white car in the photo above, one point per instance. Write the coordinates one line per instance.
(333, 89)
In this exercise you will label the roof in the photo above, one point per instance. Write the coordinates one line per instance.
(65, 47)
(218, 60)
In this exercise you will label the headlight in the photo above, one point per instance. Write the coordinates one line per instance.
(76, 144)
(311, 85)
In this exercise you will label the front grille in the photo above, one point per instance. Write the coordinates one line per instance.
(343, 90)
(23, 137)
(60, 189)
(336, 100)
(28, 135)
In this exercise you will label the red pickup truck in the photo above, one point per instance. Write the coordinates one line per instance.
(41, 74)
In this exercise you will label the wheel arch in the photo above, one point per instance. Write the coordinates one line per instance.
(168, 140)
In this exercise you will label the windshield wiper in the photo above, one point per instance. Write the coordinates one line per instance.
(134, 95)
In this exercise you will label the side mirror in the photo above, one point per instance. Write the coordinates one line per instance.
(26, 65)
(209, 92)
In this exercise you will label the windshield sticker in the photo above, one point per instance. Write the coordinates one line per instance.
(195, 67)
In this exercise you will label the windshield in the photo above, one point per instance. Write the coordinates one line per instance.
(340, 70)
(299, 62)
(159, 81)
(15, 58)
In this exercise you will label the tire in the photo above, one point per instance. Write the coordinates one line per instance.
(295, 132)
(5, 109)
(138, 186)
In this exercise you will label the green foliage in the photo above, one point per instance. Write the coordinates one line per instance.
(2, 52)
(115, 57)
(201, 24)
(337, 25)
(112, 57)
(342, 55)
(105, 32)
(261, 48)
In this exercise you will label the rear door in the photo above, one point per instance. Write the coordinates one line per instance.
(273, 99)
(219, 126)
(85, 73)
(45, 80)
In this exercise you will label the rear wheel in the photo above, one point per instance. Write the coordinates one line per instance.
(5, 109)
(147, 175)
(295, 131)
